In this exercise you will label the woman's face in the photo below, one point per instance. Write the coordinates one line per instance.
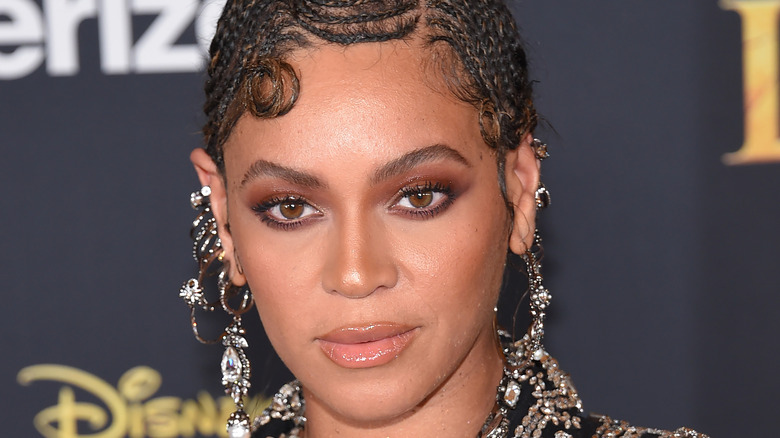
(369, 224)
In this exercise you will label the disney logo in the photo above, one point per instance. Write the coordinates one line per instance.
(127, 410)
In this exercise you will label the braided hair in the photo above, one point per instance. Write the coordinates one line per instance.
(248, 71)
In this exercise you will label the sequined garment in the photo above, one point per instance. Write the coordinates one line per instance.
(535, 399)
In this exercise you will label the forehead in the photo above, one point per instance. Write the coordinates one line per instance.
(376, 99)
(397, 73)
(325, 64)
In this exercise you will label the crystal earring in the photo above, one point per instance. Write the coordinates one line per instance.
(235, 365)
(208, 252)
(542, 197)
(539, 297)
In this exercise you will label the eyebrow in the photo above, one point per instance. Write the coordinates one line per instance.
(415, 158)
(261, 168)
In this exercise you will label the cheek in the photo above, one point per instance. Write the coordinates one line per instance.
(281, 273)
(457, 266)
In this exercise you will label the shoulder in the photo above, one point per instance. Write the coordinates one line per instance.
(547, 404)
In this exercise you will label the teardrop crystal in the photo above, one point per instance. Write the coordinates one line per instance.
(231, 365)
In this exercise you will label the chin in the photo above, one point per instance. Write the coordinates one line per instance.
(363, 405)
(373, 397)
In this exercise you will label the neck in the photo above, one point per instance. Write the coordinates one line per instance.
(458, 407)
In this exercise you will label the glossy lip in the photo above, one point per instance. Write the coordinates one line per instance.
(366, 346)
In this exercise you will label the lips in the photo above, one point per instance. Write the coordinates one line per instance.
(366, 346)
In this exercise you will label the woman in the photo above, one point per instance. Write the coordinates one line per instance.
(369, 164)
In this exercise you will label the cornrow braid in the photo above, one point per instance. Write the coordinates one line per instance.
(486, 66)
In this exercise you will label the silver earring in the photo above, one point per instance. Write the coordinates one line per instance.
(539, 297)
(206, 250)
(542, 197)
(235, 365)
(208, 253)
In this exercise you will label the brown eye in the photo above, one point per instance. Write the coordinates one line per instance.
(291, 210)
(286, 213)
(421, 199)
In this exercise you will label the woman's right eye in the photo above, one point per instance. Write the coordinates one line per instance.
(285, 213)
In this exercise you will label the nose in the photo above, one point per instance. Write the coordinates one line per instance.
(358, 260)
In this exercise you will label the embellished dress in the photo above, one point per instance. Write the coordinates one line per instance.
(535, 399)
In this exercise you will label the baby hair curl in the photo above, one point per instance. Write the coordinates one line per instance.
(248, 71)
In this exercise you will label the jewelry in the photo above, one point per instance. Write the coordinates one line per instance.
(235, 365)
(207, 250)
(540, 149)
(287, 405)
(542, 197)
(539, 296)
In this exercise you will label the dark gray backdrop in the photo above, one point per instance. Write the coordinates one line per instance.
(661, 259)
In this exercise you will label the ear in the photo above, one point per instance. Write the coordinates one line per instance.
(522, 180)
(209, 175)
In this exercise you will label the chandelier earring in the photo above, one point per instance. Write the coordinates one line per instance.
(210, 256)
(539, 296)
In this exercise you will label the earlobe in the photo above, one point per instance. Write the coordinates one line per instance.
(522, 180)
(209, 175)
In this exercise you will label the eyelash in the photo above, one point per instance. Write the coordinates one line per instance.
(431, 211)
(262, 209)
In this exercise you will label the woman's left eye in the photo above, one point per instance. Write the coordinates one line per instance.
(425, 200)
(285, 212)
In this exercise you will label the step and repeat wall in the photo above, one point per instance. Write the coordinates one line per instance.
(661, 242)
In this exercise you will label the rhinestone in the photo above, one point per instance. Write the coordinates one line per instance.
(238, 431)
(195, 199)
(295, 403)
(235, 392)
(238, 425)
(512, 393)
(286, 391)
(231, 365)
(191, 292)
